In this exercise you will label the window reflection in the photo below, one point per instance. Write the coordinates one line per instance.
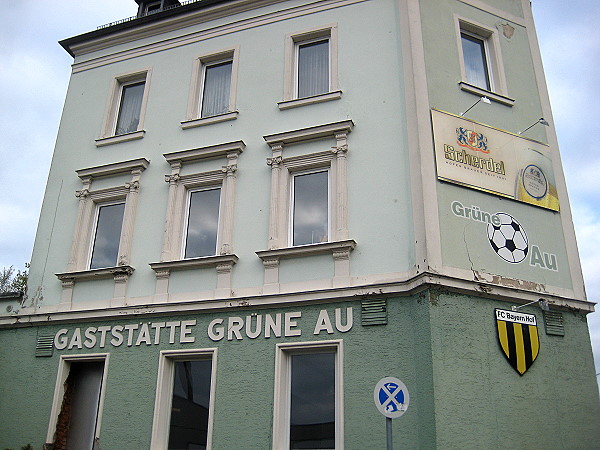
(311, 208)
(203, 223)
(312, 415)
(107, 236)
(190, 406)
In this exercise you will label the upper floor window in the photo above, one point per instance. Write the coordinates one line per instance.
(482, 70)
(202, 222)
(125, 112)
(311, 67)
(107, 235)
(475, 60)
(214, 89)
(310, 210)
(130, 107)
(217, 86)
(312, 76)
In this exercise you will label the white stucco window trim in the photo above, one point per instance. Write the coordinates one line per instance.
(292, 41)
(281, 395)
(164, 392)
(282, 170)
(64, 366)
(495, 64)
(89, 200)
(108, 134)
(172, 255)
(194, 112)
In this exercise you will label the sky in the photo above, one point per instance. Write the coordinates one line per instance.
(35, 70)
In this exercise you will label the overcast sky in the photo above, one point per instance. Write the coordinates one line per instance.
(34, 74)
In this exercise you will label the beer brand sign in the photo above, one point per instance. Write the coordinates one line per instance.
(518, 338)
(488, 159)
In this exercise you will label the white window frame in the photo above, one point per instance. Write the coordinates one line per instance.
(164, 392)
(78, 267)
(173, 251)
(64, 367)
(491, 41)
(281, 397)
(292, 44)
(108, 135)
(92, 239)
(282, 169)
(292, 178)
(194, 113)
(184, 231)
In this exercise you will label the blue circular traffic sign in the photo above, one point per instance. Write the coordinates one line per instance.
(391, 397)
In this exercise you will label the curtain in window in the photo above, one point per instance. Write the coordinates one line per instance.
(475, 61)
(313, 68)
(129, 110)
(217, 83)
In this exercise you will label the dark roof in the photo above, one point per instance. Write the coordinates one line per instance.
(135, 22)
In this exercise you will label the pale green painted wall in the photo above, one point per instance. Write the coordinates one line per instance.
(377, 160)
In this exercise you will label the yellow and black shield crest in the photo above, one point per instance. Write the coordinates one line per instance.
(518, 338)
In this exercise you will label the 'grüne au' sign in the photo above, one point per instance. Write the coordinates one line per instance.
(183, 331)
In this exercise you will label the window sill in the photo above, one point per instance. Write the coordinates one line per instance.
(195, 263)
(120, 138)
(288, 104)
(95, 274)
(307, 250)
(209, 120)
(485, 93)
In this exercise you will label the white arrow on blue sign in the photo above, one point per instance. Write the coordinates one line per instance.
(391, 397)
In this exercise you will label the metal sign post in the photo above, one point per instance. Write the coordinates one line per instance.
(391, 399)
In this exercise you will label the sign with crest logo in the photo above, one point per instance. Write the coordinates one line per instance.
(518, 338)
(488, 159)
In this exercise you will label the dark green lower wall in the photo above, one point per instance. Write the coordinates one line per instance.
(443, 346)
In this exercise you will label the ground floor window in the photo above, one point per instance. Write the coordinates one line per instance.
(77, 408)
(308, 396)
(184, 400)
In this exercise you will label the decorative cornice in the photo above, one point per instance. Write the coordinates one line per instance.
(201, 153)
(401, 286)
(130, 166)
(306, 134)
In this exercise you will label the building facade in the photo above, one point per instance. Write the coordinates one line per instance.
(257, 210)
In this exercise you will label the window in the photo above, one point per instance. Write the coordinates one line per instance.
(311, 67)
(184, 400)
(475, 60)
(217, 84)
(312, 73)
(107, 234)
(310, 208)
(78, 400)
(124, 118)
(309, 201)
(481, 61)
(130, 108)
(104, 229)
(199, 225)
(213, 91)
(202, 223)
(308, 396)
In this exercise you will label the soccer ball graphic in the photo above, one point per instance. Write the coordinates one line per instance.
(508, 239)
